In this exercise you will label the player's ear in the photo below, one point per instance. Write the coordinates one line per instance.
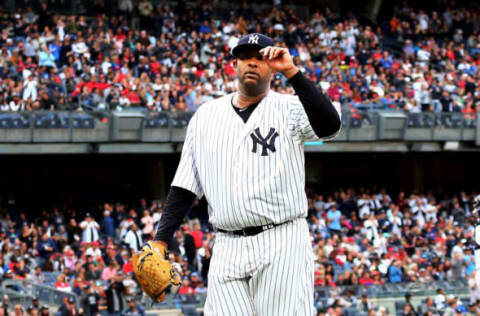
(234, 63)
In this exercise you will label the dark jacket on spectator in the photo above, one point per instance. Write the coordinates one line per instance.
(108, 226)
(116, 288)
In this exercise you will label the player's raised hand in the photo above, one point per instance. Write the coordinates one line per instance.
(279, 59)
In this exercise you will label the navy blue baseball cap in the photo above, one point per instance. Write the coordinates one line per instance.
(255, 40)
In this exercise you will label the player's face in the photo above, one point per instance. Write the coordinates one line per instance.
(254, 75)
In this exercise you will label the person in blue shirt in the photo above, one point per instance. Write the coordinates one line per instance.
(469, 262)
(108, 224)
(45, 58)
(55, 47)
(333, 220)
(395, 272)
(46, 247)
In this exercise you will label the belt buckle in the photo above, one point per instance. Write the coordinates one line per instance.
(244, 232)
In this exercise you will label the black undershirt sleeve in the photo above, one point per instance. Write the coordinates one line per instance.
(321, 113)
(176, 206)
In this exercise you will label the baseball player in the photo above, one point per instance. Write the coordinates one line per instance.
(245, 153)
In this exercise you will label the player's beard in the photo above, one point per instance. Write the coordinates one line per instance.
(252, 88)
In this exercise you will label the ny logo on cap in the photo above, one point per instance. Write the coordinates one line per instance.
(253, 39)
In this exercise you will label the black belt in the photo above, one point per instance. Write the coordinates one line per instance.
(250, 231)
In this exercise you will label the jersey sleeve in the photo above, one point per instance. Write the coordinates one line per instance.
(187, 176)
(299, 124)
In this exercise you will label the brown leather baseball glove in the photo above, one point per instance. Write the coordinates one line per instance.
(154, 273)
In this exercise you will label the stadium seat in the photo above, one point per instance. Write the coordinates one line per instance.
(83, 121)
(5, 122)
(356, 122)
(414, 120)
(156, 122)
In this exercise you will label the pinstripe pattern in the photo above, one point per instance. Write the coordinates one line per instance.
(245, 188)
(254, 276)
(270, 273)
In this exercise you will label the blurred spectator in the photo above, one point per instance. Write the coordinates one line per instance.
(148, 224)
(108, 225)
(70, 308)
(46, 247)
(90, 229)
(115, 296)
(133, 238)
(91, 301)
(62, 284)
(133, 309)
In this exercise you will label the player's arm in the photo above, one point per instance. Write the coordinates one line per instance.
(185, 187)
(177, 204)
(322, 115)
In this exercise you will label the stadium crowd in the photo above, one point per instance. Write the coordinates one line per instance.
(163, 58)
(360, 237)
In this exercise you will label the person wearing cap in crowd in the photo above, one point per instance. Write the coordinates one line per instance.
(36, 303)
(71, 309)
(133, 309)
(44, 311)
(90, 229)
(451, 305)
(90, 300)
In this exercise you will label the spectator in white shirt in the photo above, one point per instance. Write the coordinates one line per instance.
(90, 229)
(133, 238)
(94, 251)
(80, 48)
(30, 88)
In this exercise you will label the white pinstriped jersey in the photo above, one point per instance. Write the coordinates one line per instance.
(251, 173)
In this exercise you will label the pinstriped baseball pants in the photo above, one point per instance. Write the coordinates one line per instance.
(269, 274)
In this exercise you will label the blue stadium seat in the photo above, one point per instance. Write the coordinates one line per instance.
(156, 122)
(52, 120)
(5, 122)
(81, 120)
(14, 120)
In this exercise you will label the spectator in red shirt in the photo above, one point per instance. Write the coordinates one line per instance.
(186, 288)
(197, 235)
(366, 279)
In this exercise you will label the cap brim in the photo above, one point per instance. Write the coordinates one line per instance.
(237, 49)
